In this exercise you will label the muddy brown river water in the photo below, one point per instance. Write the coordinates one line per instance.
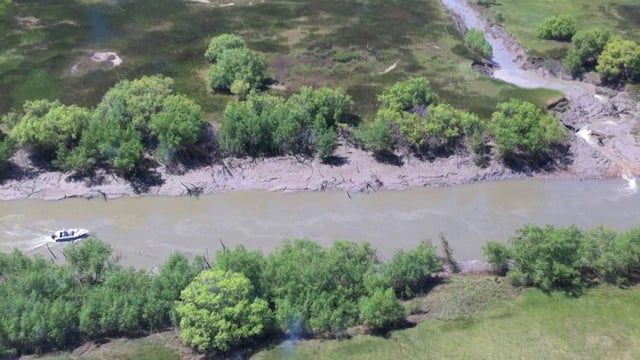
(145, 230)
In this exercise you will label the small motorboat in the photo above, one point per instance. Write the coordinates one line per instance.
(69, 234)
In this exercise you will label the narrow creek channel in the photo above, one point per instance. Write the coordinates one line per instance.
(143, 231)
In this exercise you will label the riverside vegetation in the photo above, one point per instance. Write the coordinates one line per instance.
(146, 116)
(299, 290)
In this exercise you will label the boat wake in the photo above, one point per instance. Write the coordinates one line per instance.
(24, 239)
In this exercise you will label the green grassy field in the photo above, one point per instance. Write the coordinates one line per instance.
(602, 324)
(521, 18)
(338, 43)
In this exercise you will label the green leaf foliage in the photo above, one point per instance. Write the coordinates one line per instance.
(381, 309)
(619, 61)
(240, 260)
(408, 94)
(217, 311)
(409, 272)
(378, 136)
(559, 27)
(89, 259)
(271, 125)
(50, 128)
(587, 47)
(441, 128)
(222, 43)
(238, 64)
(178, 125)
(498, 255)
(476, 41)
(549, 257)
(521, 129)
(316, 288)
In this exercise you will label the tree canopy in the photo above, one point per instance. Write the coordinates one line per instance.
(217, 311)
(521, 129)
(620, 61)
(559, 27)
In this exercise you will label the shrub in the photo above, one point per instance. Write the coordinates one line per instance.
(381, 309)
(377, 136)
(178, 126)
(409, 272)
(559, 27)
(408, 94)
(521, 129)
(620, 61)
(239, 64)
(498, 255)
(549, 257)
(588, 45)
(476, 41)
(217, 311)
(222, 43)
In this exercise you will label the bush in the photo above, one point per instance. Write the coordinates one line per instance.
(381, 309)
(265, 124)
(222, 43)
(498, 255)
(237, 65)
(559, 27)
(521, 129)
(409, 272)
(217, 311)
(377, 136)
(315, 289)
(619, 61)
(588, 45)
(476, 41)
(406, 95)
(438, 128)
(178, 126)
(549, 257)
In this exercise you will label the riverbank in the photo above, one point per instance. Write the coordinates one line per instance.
(601, 145)
(354, 170)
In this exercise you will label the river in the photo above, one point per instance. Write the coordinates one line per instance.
(143, 231)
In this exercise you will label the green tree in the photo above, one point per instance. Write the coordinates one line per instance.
(132, 103)
(498, 255)
(620, 61)
(317, 289)
(222, 43)
(549, 257)
(178, 125)
(441, 128)
(476, 41)
(521, 129)
(7, 149)
(587, 47)
(89, 259)
(408, 94)
(559, 27)
(377, 136)
(239, 64)
(381, 309)
(217, 311)
(332, 105)
(50, 128)
(240, 260)
(409, 272)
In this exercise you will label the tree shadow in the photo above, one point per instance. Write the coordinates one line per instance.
(336, 161)
(557, 157)
(389, 158)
